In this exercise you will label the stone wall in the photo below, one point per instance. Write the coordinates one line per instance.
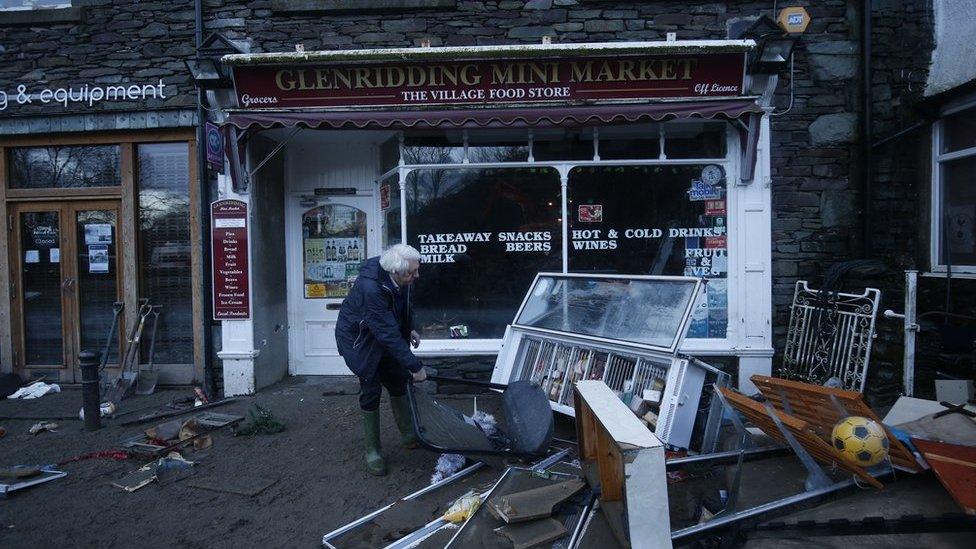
(110, 43)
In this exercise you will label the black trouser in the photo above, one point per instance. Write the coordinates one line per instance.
(389, 374)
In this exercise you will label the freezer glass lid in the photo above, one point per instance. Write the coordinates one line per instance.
(650, 311)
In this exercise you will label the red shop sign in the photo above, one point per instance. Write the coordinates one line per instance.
(490, 82)
(228, 230)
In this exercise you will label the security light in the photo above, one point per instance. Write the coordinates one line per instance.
(774, 46)
(207, 73)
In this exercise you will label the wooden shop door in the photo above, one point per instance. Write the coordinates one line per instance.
(66, 274)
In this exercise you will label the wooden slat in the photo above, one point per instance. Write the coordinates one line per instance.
(129, 243)
(99, 138)
(6, 231)
(611, 468)
(812, 404)
(819, 449)
(198, 271)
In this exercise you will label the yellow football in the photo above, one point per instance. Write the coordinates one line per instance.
(861, 439)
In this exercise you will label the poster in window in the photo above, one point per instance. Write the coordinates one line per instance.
(98, 258)
(45, 236)
(384, 197)
(590, 213)
(334, 246)
(98, 233)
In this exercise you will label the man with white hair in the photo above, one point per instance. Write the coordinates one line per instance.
(374, 333)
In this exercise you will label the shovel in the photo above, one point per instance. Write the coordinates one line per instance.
(148, 376)
(117, 309)
(127, 376)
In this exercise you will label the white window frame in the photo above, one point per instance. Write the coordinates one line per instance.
(730, 345)
(938, 159)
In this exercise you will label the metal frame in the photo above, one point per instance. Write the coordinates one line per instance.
(366, 518)
(844, 352)
(818, 488)
(911, 328)
(437, 524)
(443, 450)
(671, 348)
(47, 474)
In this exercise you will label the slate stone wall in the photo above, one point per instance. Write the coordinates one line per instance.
(108, 43)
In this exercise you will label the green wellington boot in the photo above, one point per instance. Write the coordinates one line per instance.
(404, 421)
(371, 435)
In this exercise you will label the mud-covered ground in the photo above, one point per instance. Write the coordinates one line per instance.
(319, 482)
(316, 463)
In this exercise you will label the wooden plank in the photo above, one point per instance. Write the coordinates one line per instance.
(819, 449)
(585, 431)
(198, 271)
(611, 468)
(532, 534)
(57, 193)
(6, 331)
(99, 138)
(535, 503)
(812, 404)
(624, 428)
(15, 293)
(129, 242)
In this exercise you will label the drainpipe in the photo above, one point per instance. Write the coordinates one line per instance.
(867, 129)
(204, 214)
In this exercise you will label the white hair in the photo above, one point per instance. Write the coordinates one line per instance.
(397, 258)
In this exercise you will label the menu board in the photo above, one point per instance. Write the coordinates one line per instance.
(228, 229)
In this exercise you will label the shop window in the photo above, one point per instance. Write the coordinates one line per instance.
(694, 140)
(65, 167)
(164, 246)
(954, 193)
(432, 148)
(632, 142)
(333, 247)
(560, 144)
(483, 234)
(660, 220)
(958, 131)
(487, 146)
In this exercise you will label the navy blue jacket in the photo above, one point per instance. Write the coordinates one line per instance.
(375, 320)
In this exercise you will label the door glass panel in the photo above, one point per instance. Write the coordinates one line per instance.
(333, 246)
(41, 280)
(97, 278)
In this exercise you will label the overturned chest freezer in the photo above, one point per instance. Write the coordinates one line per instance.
(626, 331)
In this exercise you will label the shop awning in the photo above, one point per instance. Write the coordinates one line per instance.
(533, 116)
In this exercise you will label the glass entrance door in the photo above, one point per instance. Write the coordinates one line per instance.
(66, 278)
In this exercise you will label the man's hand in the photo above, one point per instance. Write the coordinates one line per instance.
(420, 375)
(414, 338)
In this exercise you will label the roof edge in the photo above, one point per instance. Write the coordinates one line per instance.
(513, 51)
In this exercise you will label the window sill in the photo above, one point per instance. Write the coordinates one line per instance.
(970, 274)
(53, 16)
(357, 6)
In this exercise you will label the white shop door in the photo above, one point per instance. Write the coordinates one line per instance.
(327, 240)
